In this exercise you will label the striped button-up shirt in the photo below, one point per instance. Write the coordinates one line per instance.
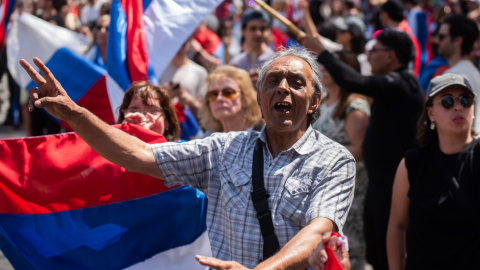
(314, 178)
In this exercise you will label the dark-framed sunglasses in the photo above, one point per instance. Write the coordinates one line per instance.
(442, 36)
(448, 101)
(227, 93)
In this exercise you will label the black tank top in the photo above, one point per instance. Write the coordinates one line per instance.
(443, 231)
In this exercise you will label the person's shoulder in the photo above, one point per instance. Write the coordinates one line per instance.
(360, 104)
(237, 59)
(326, 147)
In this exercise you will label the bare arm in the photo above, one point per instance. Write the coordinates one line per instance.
(356, 123)
(397, 225)
(294, 255)
(111, 143)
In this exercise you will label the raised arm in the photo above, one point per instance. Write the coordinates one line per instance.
(397, 225)
(111, 143)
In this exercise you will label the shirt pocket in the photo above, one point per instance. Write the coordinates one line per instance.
(235, 187)
(295, 200)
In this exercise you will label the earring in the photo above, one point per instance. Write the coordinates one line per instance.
(432, 125)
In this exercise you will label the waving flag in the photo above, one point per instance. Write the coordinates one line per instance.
(6, 9)
(65, 207)
(144, 36)
(60, 49)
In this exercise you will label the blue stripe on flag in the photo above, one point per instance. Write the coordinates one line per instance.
(76, 74)
(146, 3)
(111, 236)
(117, 46)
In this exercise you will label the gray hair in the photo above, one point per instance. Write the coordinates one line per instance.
(303, 54)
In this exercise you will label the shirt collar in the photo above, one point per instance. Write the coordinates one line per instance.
(303, 146)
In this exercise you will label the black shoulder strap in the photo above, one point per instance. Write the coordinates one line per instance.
(260, 202)
(453, 184)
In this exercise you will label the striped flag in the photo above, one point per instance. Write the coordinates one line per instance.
(6, 9)
(65, 207)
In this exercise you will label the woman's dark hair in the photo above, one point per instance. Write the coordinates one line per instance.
(345, 98)
(426, 136)
(146, 91)
(358, 44)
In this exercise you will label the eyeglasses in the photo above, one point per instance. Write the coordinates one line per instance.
(441, 36)
(374, 50)
(155, 111)
(227, 93)
(100, 27)
(448, 101)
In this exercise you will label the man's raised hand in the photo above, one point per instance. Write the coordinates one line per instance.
(49, 94)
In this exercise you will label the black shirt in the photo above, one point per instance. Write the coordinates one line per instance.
(397, 106)
(443, 231)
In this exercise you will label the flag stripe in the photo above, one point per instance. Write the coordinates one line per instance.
(117, 45)
(89, 239)
(7, 11)
(137, 54)
(69, 75)
(33, 189)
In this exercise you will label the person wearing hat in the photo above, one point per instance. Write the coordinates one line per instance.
(437, 187)
(255, 32)
(351, 35)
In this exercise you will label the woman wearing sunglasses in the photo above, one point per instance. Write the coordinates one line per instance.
(148, 105)
(97, 51)
(435, 215)
(230, 103)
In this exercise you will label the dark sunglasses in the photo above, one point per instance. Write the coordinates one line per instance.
(227, 93)
(448, 101)
(99, 27)
(441, 36)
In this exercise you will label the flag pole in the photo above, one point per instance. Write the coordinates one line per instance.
(294, 29)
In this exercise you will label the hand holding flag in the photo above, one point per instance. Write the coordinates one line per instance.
(50, 93)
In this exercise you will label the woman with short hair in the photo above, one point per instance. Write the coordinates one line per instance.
(230, 102)
(148, 105)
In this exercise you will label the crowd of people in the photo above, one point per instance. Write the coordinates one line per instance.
(372, 107)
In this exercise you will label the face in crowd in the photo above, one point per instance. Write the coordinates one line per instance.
(452, 110)
(286, 95)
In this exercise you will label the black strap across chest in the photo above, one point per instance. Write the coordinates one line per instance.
(260, 203)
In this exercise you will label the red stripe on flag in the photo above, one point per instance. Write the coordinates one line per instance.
(137, 54)
(54, 173)
(3, 23)
(97, 101)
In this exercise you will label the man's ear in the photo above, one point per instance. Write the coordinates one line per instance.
(458, 41)
(315, 102)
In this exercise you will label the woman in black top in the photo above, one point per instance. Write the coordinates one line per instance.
(434, 219)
